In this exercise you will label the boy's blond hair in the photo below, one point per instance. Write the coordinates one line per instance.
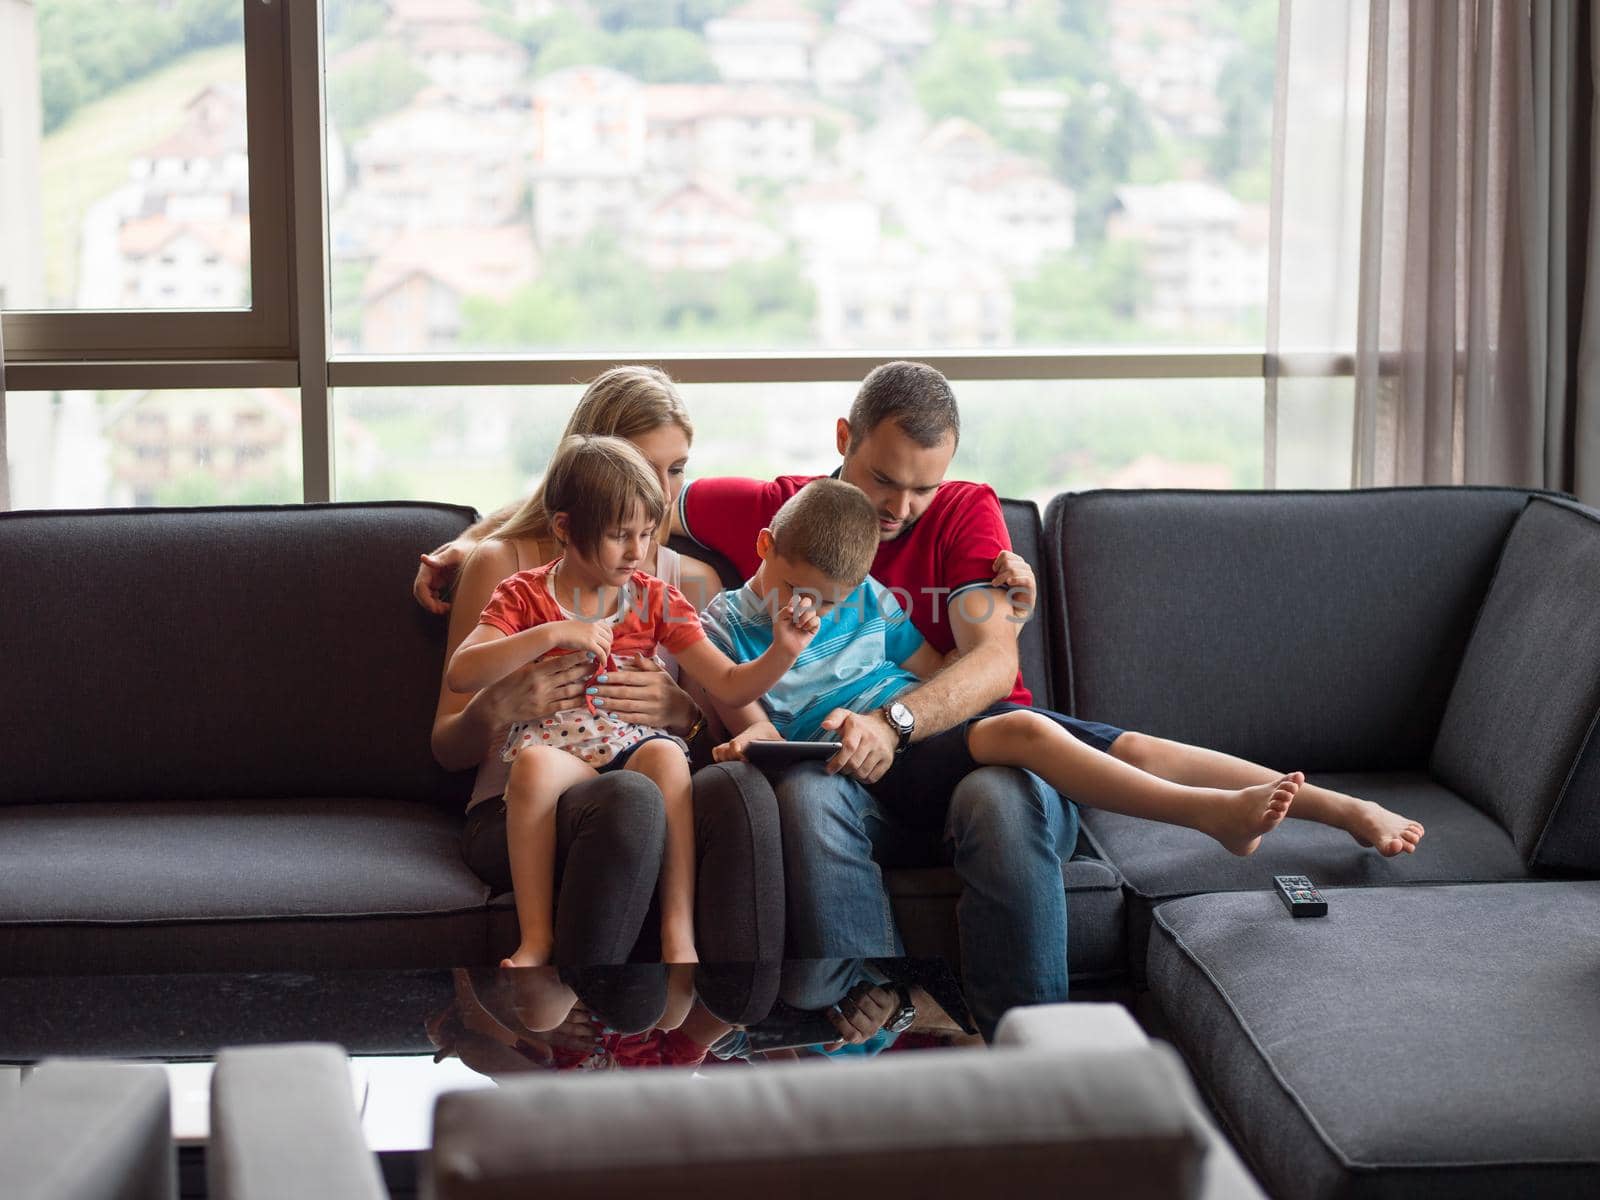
(624, 402)
(832, 526)
(600, 483)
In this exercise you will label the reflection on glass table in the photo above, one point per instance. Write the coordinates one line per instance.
(498, 1021)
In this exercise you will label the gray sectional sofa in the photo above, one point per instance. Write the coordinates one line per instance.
(215, 755)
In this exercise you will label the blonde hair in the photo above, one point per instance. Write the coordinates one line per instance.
(624, 402)
(830, 525)
(600, 483)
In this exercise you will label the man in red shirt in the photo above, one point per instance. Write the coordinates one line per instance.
(1004, 830)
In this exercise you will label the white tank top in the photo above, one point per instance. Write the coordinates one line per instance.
(492, 772)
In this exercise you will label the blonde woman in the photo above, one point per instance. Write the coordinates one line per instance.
(611, 828)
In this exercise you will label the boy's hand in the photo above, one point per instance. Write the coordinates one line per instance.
(436, 576)
(866, 744)
(733, 750)
(592, 637)
(1013, 574)
(795, 625)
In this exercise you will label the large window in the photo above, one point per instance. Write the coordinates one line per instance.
(265, 250)
(638, 177)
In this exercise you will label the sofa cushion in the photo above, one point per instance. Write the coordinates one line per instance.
(209, 890)
(1427, 1041)
(1321, 630)
(1461, 845)
(200, 653)
(1518, 736)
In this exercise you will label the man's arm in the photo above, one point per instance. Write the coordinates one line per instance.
(981, 670)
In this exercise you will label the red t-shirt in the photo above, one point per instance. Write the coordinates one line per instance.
(651, 613)
(949, 549)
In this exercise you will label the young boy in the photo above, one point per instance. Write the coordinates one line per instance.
(821, 544)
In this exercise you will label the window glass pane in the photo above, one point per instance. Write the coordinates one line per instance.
(488, 446)
(124, 180)
(786, 174)
(94, 449)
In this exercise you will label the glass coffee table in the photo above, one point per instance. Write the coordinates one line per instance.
(414, 1034)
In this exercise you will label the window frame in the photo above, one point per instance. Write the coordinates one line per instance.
(264, 330)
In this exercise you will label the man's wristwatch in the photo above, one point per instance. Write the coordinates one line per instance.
(901, 721)
(901, 1019)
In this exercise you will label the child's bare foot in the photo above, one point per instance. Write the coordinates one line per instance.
(1388, 833)
(1242, 817)
(527, 955)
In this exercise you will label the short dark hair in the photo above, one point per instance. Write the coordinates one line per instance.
(831, 526)
(914, 395)
(599, 482)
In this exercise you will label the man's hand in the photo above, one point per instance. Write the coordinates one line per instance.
(1013, 574)
(436, 575)
(538, 690)
(866, 744)
(733, 750)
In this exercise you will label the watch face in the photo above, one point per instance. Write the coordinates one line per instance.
(900, 715)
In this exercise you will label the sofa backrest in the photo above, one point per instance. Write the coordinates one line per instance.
(1307, 630)
(1518, 737)
(220, 653)
(1022, 522)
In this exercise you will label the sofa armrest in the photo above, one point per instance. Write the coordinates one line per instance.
(87, 1131)
(1022, 1123)
(284, 1124)
(1078, 1027)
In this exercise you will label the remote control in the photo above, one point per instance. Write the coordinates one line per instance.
(1300, 896)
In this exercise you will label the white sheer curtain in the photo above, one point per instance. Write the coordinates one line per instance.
(1452, 255)
(5, 463)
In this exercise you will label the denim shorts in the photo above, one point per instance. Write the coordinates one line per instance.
(917, 787)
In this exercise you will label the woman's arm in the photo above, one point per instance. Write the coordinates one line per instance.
(698, 582)
(465, 728)
(438, 570)
(489, 655)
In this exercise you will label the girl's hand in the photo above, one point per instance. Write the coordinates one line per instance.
(1013, 574)
(796, 624)
(733, 751)
(538, 690)
(641, 691)
(592, 637)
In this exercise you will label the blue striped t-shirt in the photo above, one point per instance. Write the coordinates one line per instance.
(853, 662)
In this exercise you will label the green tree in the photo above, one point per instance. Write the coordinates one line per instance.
(661, 56)
(960, 77)
(362, 92)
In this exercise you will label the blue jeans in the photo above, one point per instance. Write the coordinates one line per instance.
(1005, 832)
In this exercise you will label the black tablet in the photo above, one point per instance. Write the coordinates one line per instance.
(783, 754)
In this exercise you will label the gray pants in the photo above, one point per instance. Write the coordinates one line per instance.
(610, 837)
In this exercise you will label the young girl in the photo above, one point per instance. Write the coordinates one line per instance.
(605, 506)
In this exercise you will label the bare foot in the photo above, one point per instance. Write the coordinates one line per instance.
(1375, 827)
(527, 956)
(1242, 817)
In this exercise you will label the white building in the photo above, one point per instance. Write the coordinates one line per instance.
(571, 203)
(169, 263)
(700, 226)
(764, 41)
(845, 61)
(834, 219)
(1015, 214)
(437, 164)
(729, 133)
(1160, 49)
(588, 117)
(471, 62)
(412, 298)
(1204, 254)
(904, 296)
(897, 25)
(201, 172)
